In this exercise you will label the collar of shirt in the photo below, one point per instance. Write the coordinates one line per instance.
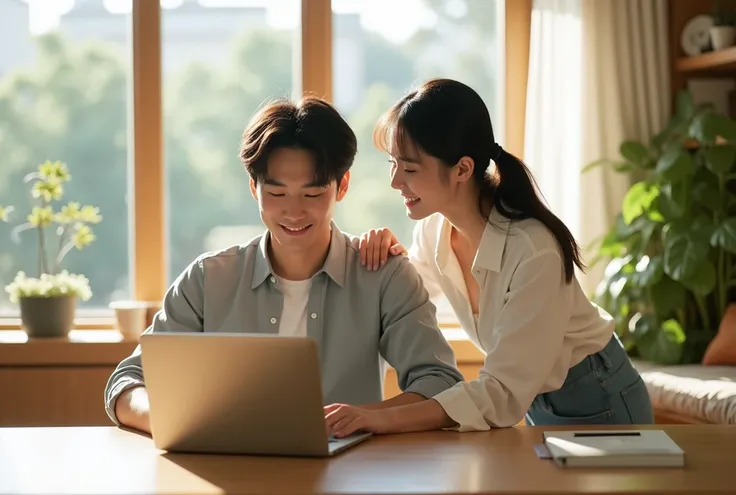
(334, 265)
(489, 253)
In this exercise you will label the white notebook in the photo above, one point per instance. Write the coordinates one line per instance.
(613, 448)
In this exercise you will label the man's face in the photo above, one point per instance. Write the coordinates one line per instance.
(296, 211)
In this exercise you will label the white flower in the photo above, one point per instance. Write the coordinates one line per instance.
(61, 284)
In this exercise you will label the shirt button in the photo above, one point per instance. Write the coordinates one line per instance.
(273, 281)
(314, 316)
(273, 321)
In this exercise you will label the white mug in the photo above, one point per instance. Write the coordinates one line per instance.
(131, 317)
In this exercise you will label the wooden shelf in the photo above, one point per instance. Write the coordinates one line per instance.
(719, 61)
(81, 348)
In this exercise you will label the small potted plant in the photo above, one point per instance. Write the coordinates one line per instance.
(723, 32)
(48, 302)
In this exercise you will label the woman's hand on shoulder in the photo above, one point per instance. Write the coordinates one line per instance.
(375, 247)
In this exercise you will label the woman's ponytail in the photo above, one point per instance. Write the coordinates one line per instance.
(515, 196)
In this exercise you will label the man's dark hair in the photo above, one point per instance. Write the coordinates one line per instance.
(310, 124)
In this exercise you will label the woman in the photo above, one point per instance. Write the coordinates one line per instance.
(507, 265)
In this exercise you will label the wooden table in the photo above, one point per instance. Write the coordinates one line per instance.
(104, 460)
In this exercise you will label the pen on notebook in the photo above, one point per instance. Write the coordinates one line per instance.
(610, 434)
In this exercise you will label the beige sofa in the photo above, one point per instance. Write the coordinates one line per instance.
(691, 394)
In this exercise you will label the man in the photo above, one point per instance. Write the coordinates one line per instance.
(304, 277)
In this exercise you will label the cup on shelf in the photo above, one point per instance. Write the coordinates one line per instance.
(722, 37)
(133, 317)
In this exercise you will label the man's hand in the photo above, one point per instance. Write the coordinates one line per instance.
(132, 409)
(343, 420)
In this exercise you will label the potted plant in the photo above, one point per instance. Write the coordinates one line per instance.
(48, 301)
(723, 31)
(671, 272)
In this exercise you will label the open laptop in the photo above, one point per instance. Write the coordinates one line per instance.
(237, 394)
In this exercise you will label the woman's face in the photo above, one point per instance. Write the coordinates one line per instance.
(425, 183)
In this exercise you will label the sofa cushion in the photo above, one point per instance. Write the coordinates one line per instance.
(722, 349)
(704, 393)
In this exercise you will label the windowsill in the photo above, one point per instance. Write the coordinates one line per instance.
(94, 323)
(81, 348)
(89, 336)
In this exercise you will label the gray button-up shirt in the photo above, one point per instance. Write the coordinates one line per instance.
(356, 316)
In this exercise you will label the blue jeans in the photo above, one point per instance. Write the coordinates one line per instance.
(603, 389)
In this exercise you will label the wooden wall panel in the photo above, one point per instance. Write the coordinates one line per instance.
(53, 396)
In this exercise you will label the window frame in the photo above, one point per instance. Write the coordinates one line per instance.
(146, 177)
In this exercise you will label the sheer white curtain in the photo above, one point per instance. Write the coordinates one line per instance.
(626, 95)
(552, 137)
(598, 75)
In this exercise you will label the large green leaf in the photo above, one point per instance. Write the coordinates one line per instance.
(672, 201)
(622, 229)
(663, 345)
(611, 246)
(647, 232)
(659, 140)
(701, 228)
(703, 280)
(649, 271)
(706, 127)
(724, 236)
(634, 152)
(622, 167)
(641, 223)
(611, 291)
(675, 165)
(683, 254)
(675, 229)
(667, 296)
(638, 200)
(721, 158)
(597, 163)
(684, 105)
(645, 327)
(634, 239)
(654, 213)
(706, 194)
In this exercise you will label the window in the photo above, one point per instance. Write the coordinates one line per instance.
(64, 75)
(221, 61)
(67, 93)
(381, 51)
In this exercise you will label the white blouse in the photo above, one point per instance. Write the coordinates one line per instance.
(531, 325)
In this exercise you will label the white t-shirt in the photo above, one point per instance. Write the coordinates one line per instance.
(294, 314)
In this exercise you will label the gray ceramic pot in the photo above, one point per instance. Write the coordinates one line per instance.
(47, 316)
